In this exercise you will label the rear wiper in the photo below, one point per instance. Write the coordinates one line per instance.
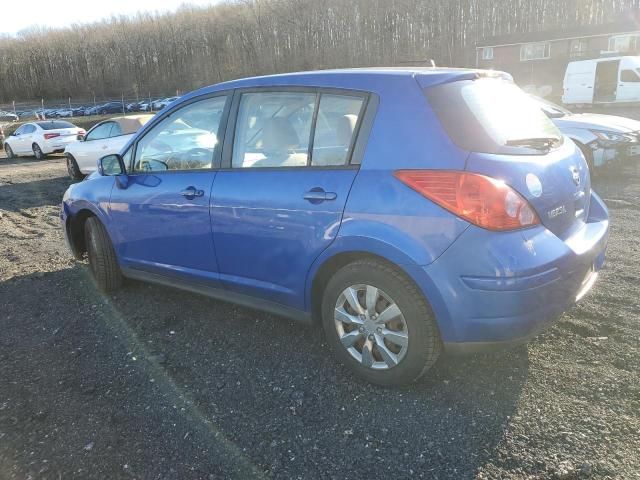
(540, 143)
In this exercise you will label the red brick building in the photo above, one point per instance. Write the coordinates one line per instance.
(540, 58)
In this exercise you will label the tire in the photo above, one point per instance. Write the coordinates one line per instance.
(388, 363)
(37, 152)
(73, 169)
(102, 257)
(8, 151)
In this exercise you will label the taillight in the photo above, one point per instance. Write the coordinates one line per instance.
(48, 136)
(483, 201)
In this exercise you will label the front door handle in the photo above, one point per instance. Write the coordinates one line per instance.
(192, 193)
(318, 195)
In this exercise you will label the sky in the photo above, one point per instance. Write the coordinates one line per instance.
(58, 14)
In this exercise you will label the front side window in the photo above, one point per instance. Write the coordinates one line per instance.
(630, 76)
(100, 132)
(185, 140)
(335, 129)
(273, 130)
(535, 51)
(29, 129)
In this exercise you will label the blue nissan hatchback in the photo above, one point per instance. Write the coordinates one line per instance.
(408, 211)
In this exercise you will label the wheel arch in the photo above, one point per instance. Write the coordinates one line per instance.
(330, 262)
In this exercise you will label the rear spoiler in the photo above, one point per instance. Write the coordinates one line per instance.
(428, 81)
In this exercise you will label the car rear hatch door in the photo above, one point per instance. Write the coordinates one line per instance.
(556, 184)
(510, 139)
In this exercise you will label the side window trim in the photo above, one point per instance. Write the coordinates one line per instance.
(358, 141)
(222, 129)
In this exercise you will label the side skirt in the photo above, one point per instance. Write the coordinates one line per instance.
(221, 294)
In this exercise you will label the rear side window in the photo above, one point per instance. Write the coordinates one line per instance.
(492, 115)
(295, 129)
(273, 130)
(54, 125)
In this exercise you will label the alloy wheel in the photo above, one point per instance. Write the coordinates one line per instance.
(371, 327)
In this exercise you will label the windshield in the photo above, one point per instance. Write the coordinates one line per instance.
(492, 115)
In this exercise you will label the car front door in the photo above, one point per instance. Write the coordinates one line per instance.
(91, 149)
(26, 138)
(161, 219)
(629, 86)
(16, 141)
(278, 202)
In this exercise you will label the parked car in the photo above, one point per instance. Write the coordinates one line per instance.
(41, 138)
(110, 107)
(8, 117)
(602, 80)
(104, 138)
(601, 138)
(434, 208)
(160, 104)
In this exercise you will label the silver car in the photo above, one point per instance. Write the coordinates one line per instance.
(602, 138)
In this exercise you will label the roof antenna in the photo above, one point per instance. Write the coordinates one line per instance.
(433, 63)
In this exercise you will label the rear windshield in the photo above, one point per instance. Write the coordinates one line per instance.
(493, 115)
(54, 125)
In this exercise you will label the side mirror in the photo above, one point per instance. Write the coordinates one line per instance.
(80, 137)
(15, 134)
(112, 166)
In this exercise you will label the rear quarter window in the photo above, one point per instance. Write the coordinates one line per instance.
(489, 115)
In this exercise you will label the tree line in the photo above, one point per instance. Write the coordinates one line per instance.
(199, 46)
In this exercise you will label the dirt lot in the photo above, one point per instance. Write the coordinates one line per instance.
(160, 384)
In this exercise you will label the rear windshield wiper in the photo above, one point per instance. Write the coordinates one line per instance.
(539, 143)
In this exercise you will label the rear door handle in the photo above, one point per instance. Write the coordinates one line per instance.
(318, 195)
(192, 192)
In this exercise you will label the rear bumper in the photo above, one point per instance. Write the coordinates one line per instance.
(57, 145)
(494, 290)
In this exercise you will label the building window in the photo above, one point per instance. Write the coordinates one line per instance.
(487, 53)
(578, 47)
(535, 51)
(624, 43)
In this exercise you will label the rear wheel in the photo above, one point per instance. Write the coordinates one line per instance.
(37, 152)
(8, 152)
(378, 323)
(102, 257)
(73, 169)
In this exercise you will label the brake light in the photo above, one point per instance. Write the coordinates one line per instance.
(484, 201)
(49, 136)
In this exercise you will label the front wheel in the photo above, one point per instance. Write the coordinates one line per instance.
(379, 324)
(37, 152)
(102, 257)
(73, 169)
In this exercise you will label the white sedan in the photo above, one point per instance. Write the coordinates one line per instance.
(103, 139)
(41, 138)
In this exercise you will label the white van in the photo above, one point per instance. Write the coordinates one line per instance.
(602, 80)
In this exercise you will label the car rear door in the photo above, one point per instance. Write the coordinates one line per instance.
(161, 218)
(278, 202)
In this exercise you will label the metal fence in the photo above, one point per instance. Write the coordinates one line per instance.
(80, 107)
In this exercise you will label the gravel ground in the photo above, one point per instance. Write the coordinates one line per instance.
(153, 383)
